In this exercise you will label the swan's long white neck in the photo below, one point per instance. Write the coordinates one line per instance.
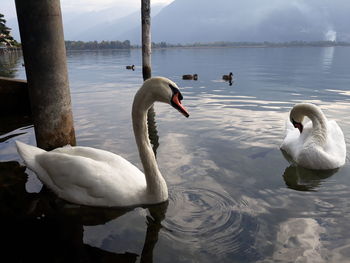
(156, 185)
(319, 121)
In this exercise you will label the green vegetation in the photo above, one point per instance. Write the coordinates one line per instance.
(94, 45)
(253, 44)
(6, 40)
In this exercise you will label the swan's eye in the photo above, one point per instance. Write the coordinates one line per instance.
(176, 91)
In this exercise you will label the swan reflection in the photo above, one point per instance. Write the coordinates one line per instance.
(41, 227)
(152, 130)
(302, 179)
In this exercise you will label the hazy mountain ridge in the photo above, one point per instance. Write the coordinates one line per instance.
(189, 21)
(252, 20)
(112, 29)
(106, 24)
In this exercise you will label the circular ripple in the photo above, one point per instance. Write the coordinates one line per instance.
(209, 221)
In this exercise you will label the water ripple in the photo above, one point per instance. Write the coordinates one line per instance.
(209, 221)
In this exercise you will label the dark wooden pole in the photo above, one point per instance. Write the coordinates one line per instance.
(44, 53)
(146, 38)
(146, 67)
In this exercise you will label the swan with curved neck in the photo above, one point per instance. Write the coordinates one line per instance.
(318, 145)
(94, 177)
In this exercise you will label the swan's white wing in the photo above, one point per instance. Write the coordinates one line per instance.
(329, 156)
(89, 152)
(313, 156)
(335, 145)
(91, 176)
(307, 150)
(294, 141)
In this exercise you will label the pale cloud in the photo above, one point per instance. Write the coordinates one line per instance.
(9, 10)
(95, 5)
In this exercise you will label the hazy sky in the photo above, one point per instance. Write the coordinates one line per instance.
(8, 6)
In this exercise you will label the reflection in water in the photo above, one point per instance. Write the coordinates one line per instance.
(43, 228)
(231, 142)
(299, 240)
(204, 218)
(153, 227)
(302, 179)
(9, 62)
(152, 129)
(327, 57)
(12, 123)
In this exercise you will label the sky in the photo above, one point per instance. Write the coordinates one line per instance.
(240, 20)
(9, 10)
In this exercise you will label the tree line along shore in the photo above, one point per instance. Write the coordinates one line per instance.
(95, 45)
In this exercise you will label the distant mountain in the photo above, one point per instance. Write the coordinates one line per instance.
(106, 24)
(106, 27)
(189, 21)
(252, 20)
(109, 30)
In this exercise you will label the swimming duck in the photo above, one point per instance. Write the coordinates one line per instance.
(188, 76)
(131, 67)
(227, 77)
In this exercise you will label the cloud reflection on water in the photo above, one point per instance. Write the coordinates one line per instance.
(223, 164)
(302, 179)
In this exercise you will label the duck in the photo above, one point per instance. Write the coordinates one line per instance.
(94, 177)
(131, 67)
(189, 76)
(227, 77)
(317, 145)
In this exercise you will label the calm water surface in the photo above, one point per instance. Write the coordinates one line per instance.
(233, 195)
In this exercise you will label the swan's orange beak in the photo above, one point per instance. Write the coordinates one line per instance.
(176, 103)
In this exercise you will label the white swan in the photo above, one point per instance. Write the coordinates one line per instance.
(320, 145)
(94, 177)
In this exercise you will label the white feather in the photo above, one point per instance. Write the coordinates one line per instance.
(94, 177)
(307, 150)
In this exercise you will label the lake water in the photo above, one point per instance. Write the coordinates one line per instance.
(233, 195)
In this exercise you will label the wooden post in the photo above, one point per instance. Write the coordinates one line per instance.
(146, 67)
(146, 38)
(44, 53)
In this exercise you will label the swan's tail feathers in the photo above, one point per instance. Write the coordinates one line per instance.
(28, 153)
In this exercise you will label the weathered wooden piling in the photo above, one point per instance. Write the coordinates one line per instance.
(44, 53)
(146, 67)
(146, 38)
